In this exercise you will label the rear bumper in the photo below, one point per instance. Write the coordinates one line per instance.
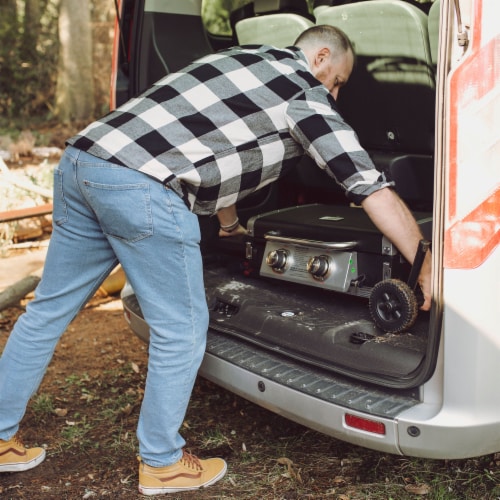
(313, 406)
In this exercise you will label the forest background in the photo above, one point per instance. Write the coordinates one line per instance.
(55, 58)
(55, 61)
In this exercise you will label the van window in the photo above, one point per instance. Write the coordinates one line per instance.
(215, 15)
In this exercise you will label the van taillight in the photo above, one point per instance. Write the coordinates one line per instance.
(364, 424)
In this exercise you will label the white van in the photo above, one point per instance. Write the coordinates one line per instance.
(306, 314)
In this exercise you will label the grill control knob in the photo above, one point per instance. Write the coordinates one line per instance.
(318, 266)
(277, 260)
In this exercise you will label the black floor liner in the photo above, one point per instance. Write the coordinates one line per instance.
(327, 329)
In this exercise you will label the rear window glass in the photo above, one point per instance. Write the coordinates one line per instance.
(215, 14)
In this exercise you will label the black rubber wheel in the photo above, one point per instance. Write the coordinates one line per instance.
(393, 306)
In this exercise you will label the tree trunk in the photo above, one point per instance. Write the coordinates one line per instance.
(74, 94)
(32, 15)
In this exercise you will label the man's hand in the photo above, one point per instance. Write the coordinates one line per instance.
(393, 218)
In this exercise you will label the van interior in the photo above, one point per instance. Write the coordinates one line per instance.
(316, 315)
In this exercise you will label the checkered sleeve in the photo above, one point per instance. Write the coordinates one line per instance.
(333, 145)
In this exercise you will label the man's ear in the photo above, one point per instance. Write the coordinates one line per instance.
(321, 56)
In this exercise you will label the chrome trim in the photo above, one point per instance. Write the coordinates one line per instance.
(327, 245)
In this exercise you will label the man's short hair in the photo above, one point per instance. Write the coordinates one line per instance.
(331, 36)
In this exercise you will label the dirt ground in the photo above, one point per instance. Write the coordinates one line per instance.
(86, 410)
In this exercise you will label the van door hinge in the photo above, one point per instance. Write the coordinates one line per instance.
(462, 37)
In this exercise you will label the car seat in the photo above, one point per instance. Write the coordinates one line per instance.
(390, 97)
(433, 28)
(271, 22)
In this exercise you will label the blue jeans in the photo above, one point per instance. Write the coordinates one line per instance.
(105, 214)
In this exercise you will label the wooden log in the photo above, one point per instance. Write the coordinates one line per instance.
(24, 213)
(12, 295)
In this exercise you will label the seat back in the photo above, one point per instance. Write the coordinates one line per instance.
(433, 28)
(389, 99)
(271, 22)
(318, 5)
(279, 30)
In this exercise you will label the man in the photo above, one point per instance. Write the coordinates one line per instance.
(127, 190)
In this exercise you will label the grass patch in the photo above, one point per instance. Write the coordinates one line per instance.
(214, 438)
(42, 407)
(105, 411)
(269, 457)
(76, 436)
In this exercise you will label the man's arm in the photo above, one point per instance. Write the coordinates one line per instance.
(393, 218)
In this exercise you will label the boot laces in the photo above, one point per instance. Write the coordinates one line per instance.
(17, 441)
(191, 461)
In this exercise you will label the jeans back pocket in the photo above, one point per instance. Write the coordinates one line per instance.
(123, 211)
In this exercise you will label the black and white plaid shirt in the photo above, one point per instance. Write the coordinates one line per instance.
(229, 124)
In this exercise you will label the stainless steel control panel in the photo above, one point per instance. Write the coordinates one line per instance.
(331, 265)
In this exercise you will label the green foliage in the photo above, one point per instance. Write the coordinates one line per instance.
(43, 407)
(28, 60)
(216, 14)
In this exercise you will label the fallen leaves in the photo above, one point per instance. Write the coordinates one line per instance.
(292, 471)
(61, 412)
(418, 489)
(126, 410)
